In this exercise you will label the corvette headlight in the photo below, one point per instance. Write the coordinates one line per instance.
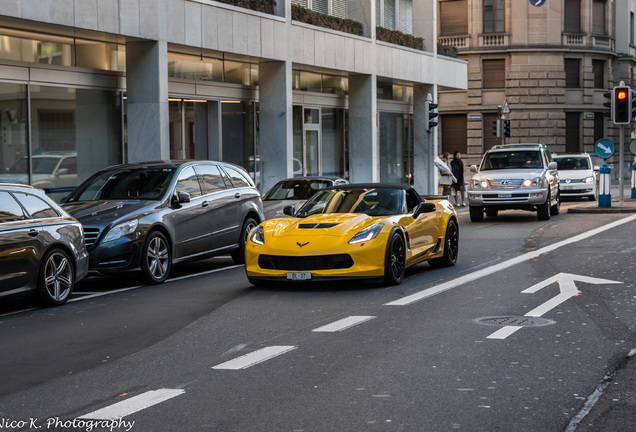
(588, 180)
(534, 182)
(258, 235)
(369, 233)
(121, 230)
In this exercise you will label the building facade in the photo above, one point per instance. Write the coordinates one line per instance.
(88, 84)
(552, 62)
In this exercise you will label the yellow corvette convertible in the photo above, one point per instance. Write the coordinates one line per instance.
(356, 231)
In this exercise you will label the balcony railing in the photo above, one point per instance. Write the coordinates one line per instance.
(493, 40)
(603, 42)
(574, 39)
(459, 42)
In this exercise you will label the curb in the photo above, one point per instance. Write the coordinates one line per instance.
(628, 206)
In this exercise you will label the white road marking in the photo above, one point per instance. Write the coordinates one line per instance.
(133, 404)
(504, 332)
(421, 295)
(343, 324)
(255, 357)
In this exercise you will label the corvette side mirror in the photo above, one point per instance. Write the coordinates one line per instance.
(425, 207)
(289, 210)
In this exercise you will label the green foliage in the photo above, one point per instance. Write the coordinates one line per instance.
(446, 50)
(265, 6)
(334, 23)
(399, 38)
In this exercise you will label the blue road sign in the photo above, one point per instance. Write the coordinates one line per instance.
(604, 148)
(537, 2)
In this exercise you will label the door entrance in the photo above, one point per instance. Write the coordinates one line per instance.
(307, 151)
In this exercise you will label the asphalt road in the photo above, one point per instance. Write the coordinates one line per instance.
(519, 335)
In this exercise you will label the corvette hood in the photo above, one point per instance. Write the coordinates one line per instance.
(102, 213)
(337, 225)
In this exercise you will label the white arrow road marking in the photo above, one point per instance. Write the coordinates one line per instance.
(488, 271)
(255, 357)
(134, 404)
(343, 324)
(567, 290)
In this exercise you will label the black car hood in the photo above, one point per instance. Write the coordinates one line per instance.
(102, 213)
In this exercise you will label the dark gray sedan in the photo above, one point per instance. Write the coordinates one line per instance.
(41, 246)
(149, 216)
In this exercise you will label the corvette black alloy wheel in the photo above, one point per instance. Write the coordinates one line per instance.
(396, 261)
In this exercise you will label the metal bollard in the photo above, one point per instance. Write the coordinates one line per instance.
(634, 180)
(604, 187)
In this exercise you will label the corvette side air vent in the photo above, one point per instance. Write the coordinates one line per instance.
(316, 225)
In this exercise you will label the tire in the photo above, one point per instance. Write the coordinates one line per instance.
(56, 278)
(556, 208)
(451, 247)
(492, 212)
(543, 210)
(395, 261)
(476, 213)
(156, 258)
(238, 256)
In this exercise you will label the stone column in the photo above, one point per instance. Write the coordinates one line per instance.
(276, 114)
(424, 142)
(363, 129)
(147, 97)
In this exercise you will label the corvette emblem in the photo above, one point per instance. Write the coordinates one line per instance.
(302, 244)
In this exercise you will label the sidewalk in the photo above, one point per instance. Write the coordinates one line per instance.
(627, 206)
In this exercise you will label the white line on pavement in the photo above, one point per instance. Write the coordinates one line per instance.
(504, 332)
(504, 265)
(134, 404)
(255, 357)
(343, 324)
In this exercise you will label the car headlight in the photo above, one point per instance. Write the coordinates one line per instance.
(120, 230)
(480, 184)
(369, 233)
(588, 180)
(258, 235)
(534, 182)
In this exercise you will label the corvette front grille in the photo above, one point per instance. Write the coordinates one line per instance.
(305, 263)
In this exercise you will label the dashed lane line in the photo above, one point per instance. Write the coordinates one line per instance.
(133, 404)
(255, 357)
(343, 324)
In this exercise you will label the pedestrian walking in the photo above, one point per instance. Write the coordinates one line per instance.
(446, 178)
(457, 167)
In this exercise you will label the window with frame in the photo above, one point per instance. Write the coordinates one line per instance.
(572, 73)
(572, 132)
(598, 69)
(337, 8)
(395, 15)
(454, 133)
(494, 74)
(598, 17)
(572, 16)
(493, 16)
(453, 18)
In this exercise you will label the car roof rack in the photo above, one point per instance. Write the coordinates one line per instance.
(500, 146)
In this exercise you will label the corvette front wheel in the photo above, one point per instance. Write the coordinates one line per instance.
(395, 262)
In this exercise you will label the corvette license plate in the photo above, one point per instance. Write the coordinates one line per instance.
(505, 195)
(298, 276)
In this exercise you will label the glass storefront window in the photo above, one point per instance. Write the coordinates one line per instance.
(75, 132)
(195, 67)
(238, 73)
(333, 135)
(396, 148)
(239, 135)
(13, 139)
(63, 51)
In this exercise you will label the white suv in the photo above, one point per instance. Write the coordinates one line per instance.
(515, 176)
(577, 174)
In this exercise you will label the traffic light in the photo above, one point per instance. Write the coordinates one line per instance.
(430, 116)
(608, 104)
(621, 105)
(633, 106)
(496, 128)
(506, 128)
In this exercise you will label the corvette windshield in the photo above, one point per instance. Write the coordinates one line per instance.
(126, 183)
(373, 202)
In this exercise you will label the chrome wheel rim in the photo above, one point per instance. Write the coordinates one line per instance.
(58, 276)
(157, 258)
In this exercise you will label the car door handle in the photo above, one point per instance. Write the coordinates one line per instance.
(33, 233)
(237, 195)
(204, 204)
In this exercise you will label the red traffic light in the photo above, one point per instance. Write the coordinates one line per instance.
(622, 94)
